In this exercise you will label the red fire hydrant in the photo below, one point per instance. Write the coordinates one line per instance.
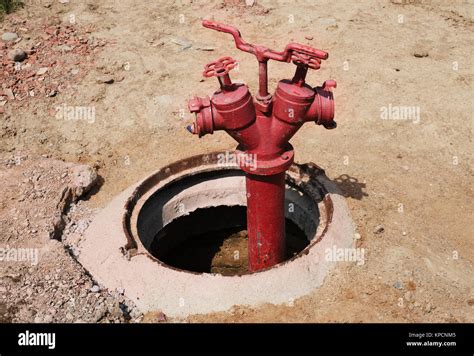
(263, 127)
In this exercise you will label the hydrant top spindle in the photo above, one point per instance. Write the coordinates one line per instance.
(263, 128)
(301, 55)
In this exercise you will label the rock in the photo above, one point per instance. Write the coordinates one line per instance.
(420, 53)
(42, 71)
(379, 229)
(95, 289)
(105, 79)
(69, 317)
(249, 2)
(357, 236)
(65, 48)
(48, 319)
(64, 1)
(428, 308)
(308, 37)
(9, 36)
(52, 93)
(9, 93)
(398, 285)
(17, 55)
(83, 179)
(408, 296)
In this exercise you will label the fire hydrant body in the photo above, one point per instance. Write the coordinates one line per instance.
(263, 127)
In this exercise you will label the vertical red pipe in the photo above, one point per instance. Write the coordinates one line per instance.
(265, 220)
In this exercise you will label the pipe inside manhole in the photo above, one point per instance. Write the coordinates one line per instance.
(198, 223)
(196, 243)
(176, 240)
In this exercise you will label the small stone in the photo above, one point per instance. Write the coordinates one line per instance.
(420, 53)
(17, 55)
(95, 288)
(65, 48)
(308, 37)
(105, 79)
(69, 317)
(83, 179)
(52, 93)
(9, 36)
(249, 2)
(408, 296)
(428, 308)
(404, 233)
(379, 229)
(120, 291)
(64, 1)
(9, 93)
(398, 285)
(42, 71)
(48, 319)
(357, 236)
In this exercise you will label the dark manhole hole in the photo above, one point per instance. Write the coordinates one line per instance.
(196, 243)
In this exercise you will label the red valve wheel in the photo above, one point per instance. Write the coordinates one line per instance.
(300, 58)
(219, 68)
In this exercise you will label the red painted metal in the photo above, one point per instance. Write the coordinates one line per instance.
(263, 128)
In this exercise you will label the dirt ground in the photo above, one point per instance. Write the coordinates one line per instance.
(408, 182)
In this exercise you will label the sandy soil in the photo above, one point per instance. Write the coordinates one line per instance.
(413, 177)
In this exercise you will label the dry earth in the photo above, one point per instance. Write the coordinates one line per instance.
(408, 182)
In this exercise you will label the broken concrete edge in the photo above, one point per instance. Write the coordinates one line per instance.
(83, 179)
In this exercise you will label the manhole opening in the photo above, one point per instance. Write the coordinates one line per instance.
(197, 222)
(196, 243)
